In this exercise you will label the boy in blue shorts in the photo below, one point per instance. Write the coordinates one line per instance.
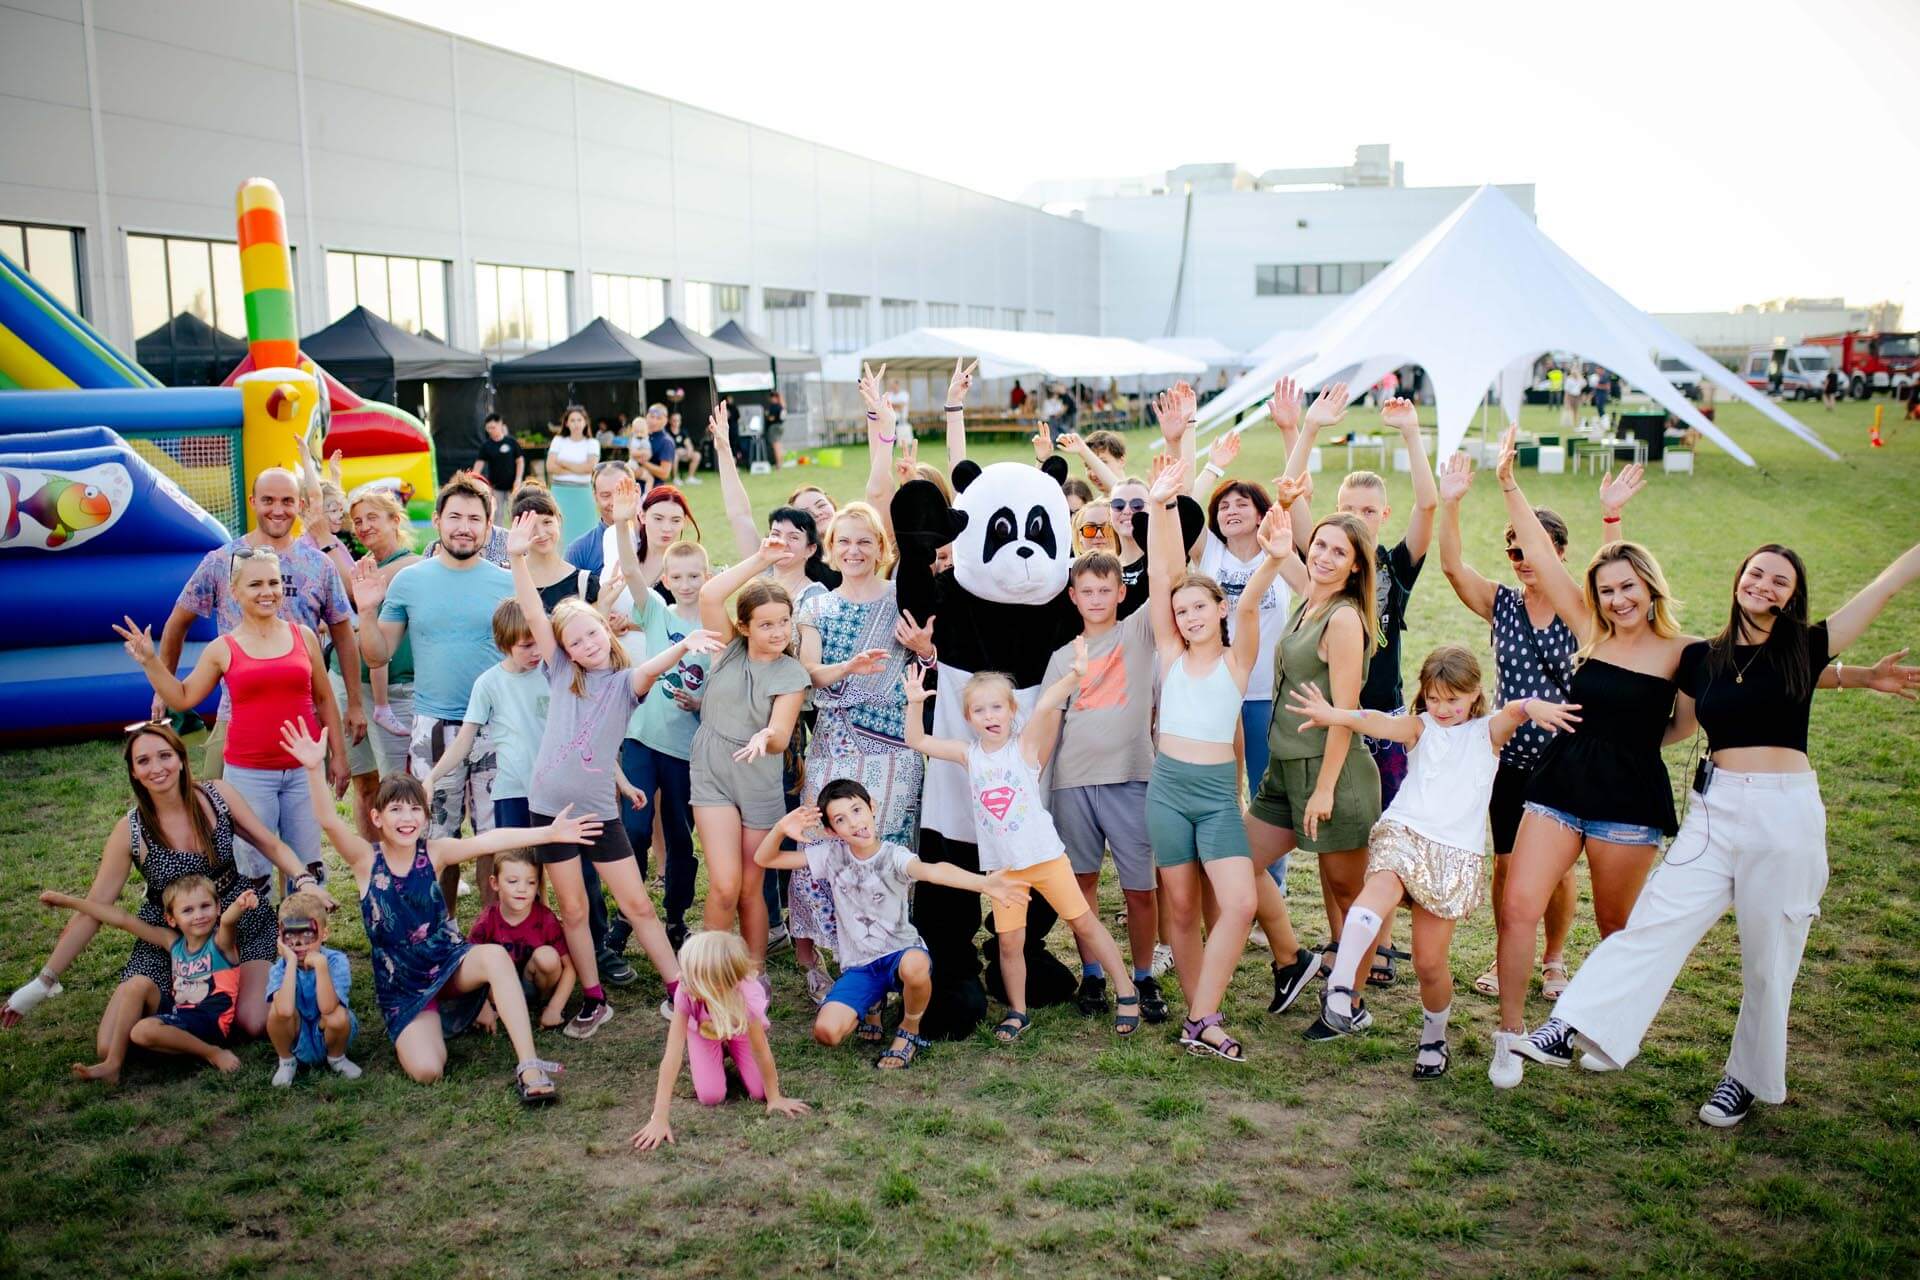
(308, 1019)
(878, 948)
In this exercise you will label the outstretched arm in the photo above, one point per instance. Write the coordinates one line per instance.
(448, 851)
(717, 590)
(1850, 621)
(880, 439)
(792, 827)
(1276, 539)
(1563, 592)
(1475, 592)
(1174, 410)
(1008, 893)
(657, 1130)
(519, 543)
(1102, 475)
(180, 695)
(1307, 702)
(956, 410)
(1556, 717)
(660, 663)
(1327, 409)
(1164, 552)
(312, 755)
(1615, 493)
(112, 915)
(732, 492)
(1042, 729)
(917, 736)
(1400, 414)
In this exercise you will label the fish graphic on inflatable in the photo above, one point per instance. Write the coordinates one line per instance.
(67, 507)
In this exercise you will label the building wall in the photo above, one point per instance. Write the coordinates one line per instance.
(1234, 232)
(1727, 335)
(387, 137)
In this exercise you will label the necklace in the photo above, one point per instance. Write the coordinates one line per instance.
(1740, 673)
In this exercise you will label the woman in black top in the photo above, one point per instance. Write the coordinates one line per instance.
(1604, 785)
(1755, 834)
(556, 579)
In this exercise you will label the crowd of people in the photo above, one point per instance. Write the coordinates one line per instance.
(1235, 694)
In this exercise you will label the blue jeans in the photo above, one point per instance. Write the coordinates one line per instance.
(654, 771)
(278, 797)
(1256, 717)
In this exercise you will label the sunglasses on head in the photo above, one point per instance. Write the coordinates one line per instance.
(142, 726)
(1127, 504)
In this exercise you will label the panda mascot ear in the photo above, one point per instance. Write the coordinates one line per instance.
(1016, 545)
(1193, 523)
(922, 518)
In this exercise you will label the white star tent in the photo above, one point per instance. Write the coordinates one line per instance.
(1475, 303)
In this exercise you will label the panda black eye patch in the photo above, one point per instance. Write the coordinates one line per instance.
(1002, 529)
(1040, 530)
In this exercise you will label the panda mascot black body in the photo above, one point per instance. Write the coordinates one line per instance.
(1003, 607)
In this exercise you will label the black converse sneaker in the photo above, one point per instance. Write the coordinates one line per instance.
(1550, 1046)
(1728, 1105)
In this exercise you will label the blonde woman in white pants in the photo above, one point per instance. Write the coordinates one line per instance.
(1755, 837)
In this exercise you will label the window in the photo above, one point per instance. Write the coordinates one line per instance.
(1272, 281)
(1329, 277)
(789, 315)
(1013, 318)
(51, 255)
(409, 293)
(846, 322)
(896, 316)
(711, 305)
(635, 303)
(1309, 280)
(943, 315)
(189, 312)
(980, 317)
(521, 309)
(1351, 276)
(1372, 269)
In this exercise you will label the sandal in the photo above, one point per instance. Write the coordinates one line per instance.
(1125, 1024)
(1488, 983)
(870, 1030)
(899, 1057)
(1421, 1071)
(1013, 1026)
(1381, 972)
(1550, 988)
(530, 1093)
(1193, 1034)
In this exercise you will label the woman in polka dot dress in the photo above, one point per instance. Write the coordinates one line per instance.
(1533, 652)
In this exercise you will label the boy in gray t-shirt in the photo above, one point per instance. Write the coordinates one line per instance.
(878, 948)
(1100, 769)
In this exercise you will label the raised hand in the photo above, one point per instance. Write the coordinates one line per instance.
(960, 383)
(1307, 702)
(139, 641)
(1888, 676)
(567, 829)
(1617, 491)
(1456, 477)
(1327, 408)
(705, 642)
(1284, 408)
(626, 495)
(520, 536)
(1079, 659)
(755, 748)
(369, 585)
(718, 425)
(913, 636)
(1043, 443)
(1557, 716)
(879, 408)
(1069, 442)
(1275, 533)
(1174, 408)
(1400, 414)
(311, 752)
(335, 466)
(1164, 477)
(1224, 450)
(868, 662)
(774, 549)
(1288, 490)
(916, 685)
(246, 902)
(1509, 454)
(906, 467)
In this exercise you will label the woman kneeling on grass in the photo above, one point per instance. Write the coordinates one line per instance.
(1428, 847)
(1755, 838)
(429, 981)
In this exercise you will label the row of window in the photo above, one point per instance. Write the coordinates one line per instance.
(1284, 280)
(189, 314)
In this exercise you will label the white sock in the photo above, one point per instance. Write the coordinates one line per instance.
(1433, 1027)
(1356, 944)
(344, 1066)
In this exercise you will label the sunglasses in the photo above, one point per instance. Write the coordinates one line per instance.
(143, 726)
(1096, 529)
(1127, 504)
(1516, 555)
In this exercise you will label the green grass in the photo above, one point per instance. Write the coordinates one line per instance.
(1069, 1154)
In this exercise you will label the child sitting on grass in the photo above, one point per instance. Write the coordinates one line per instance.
(519, 921)
(879, 949)
(1428, 848)
(1016, 833)
(719, 1014)
(308, 1019)
(204, 947)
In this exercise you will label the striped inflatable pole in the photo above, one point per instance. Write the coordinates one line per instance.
(266, 275)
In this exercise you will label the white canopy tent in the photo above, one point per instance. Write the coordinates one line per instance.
(1215, 353)
(1010, 353)
(1475, 303)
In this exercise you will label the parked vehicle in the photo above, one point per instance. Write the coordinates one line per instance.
(1682, 375)
(1799, 373)
(1870, 362)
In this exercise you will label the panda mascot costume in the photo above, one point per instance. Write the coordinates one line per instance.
(1002, 607)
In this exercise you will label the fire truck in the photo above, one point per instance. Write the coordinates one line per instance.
(1870, 362)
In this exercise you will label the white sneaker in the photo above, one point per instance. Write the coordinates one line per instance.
(1594, 1062)
(1162, 960)
(666, 1010)
(1257, 937)
(1506, 1069)
(778, 938)
(345, 1068)
(284, 1072)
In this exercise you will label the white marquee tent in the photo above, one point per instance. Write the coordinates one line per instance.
(1011, 353)
(1477, 301)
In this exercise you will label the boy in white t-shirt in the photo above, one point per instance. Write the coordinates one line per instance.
(1016, 833)
(879, 949)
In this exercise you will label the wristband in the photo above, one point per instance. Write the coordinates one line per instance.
(885, 439)
(1509, 488)
(956, 408)
(1609, 519)
(928, 660)
(873, 417)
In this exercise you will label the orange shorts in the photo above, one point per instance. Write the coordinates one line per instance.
(1052, 880)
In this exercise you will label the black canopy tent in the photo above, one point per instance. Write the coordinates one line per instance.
(790, 367)
(442, 386)
(601, 368)
(739, 373)
(186, 351)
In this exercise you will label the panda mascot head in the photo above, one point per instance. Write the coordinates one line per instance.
(1016, 545)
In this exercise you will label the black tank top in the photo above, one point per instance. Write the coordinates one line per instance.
(1609, 769)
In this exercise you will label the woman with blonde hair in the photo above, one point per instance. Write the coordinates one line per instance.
(380, 524)
(1604, 786)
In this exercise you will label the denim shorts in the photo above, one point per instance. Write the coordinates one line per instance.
(866, 985)
(1599, 829)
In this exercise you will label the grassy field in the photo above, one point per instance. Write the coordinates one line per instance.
(1068, 1154)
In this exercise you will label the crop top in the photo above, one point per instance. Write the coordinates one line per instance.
(1745, 703)
(1204, 708)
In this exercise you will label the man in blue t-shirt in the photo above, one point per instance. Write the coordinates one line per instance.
(445, 605)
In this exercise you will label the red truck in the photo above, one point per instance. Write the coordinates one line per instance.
(1870, 362)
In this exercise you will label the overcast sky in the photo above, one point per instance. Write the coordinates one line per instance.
(1694, 155)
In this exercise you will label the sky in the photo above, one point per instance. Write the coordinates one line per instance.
(1694, 154)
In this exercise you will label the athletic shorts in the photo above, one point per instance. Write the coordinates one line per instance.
(310, 1046)
(211, 1020)
(610, 846)
(1112, 815)
(1193, 812)
(864, 986)
(1289, 784)
(1052, 880)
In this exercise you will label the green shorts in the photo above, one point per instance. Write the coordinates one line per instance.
(1193, 812)
(1288, 785)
